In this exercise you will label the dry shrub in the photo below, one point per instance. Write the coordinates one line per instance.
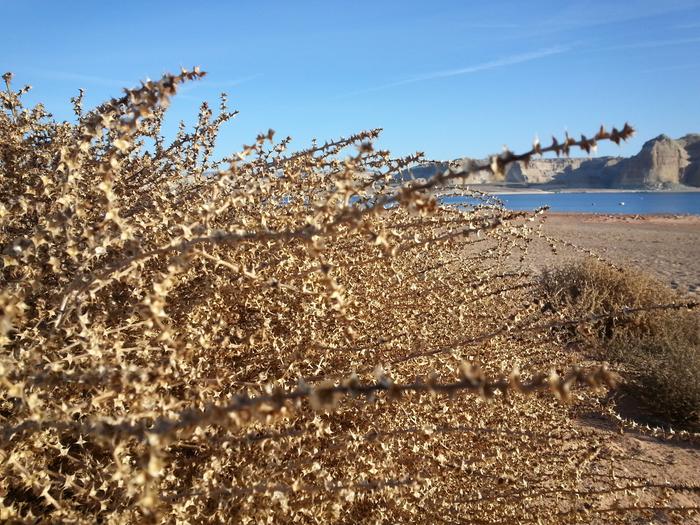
(274, 336)
(659, 348)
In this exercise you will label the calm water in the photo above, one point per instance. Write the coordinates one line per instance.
(635, 203)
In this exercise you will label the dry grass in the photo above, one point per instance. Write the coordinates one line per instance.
(275, 337)
(659, 349)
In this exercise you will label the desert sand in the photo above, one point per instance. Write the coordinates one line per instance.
(665, 246)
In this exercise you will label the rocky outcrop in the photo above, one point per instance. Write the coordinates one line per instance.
(691, 173)
(541, 171)
(662, 163)
(424, 171)
(576, 172)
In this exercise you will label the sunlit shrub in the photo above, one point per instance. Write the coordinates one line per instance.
(271, 336)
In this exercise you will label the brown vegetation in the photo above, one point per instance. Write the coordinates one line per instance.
(278, 337)
(659, 348)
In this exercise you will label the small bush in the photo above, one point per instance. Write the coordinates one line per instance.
(659, 349)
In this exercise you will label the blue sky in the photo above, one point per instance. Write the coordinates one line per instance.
(451, 78)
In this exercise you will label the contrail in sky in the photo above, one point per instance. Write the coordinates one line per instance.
(484, 66)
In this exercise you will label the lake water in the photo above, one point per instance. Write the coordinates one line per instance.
(634, 202)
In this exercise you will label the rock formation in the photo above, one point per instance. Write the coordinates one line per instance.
(662, 163)
(691, 174)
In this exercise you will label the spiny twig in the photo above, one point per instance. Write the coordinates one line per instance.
(325, 396)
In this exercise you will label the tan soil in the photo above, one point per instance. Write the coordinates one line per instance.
(667, 247)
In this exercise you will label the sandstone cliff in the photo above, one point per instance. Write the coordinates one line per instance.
(662, 163)
(691, 173)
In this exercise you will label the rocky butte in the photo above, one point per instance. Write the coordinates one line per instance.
(662, 163)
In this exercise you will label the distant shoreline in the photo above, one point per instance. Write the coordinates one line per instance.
(609, 216)
(588, 201)
(503, 190)
(665, 245)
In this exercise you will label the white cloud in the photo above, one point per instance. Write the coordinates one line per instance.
(484, 66)
(78, 77)
(655, 43)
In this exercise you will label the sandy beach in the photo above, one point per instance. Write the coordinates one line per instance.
(666, 246)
